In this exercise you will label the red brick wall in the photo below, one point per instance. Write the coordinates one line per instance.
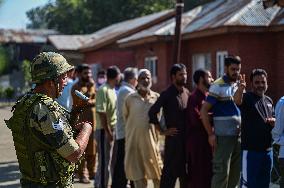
(161, 50)
(255, 49)
(278, 71)
(108, 57)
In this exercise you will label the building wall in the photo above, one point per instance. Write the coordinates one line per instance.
(107, 57)
(257, 50)
(278, 70)
(162, 52)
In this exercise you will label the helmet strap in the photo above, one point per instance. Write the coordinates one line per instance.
(56, 81)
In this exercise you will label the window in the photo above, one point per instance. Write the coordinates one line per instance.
(201, 61)
(220, 57)
(151, 63)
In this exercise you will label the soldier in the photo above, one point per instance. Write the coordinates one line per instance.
(43, 134)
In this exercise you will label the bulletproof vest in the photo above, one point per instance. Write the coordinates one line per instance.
(38, 162)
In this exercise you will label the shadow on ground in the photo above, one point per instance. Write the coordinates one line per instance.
(9, 174)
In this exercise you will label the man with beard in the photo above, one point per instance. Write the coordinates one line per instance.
(173, 101)
(198, 150)
(257, 122)
(86, 85)
(224, 96)
(142, 159)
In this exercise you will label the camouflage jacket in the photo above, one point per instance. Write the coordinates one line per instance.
(43, 138)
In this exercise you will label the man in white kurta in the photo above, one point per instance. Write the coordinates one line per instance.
(142, 158)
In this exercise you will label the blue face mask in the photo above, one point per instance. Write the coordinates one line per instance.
(101, 80)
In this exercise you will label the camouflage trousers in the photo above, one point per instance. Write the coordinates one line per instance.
(29, 184)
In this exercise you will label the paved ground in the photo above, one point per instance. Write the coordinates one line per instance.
(9, 170)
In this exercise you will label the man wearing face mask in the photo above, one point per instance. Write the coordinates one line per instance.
(142, 159)
(173, 101)
(198, 150)
(257, 122)
(224, 96)
(86, 85)
(101, 78)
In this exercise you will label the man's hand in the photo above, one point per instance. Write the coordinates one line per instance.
(212, 142)
(270, 121)
(80, 125)
(170, 132)
(242, 81)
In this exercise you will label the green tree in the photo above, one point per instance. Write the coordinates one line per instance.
(78, 17)
(190, 4)
(4, 59)
(26, 68)
(87, 16)
(9, 92)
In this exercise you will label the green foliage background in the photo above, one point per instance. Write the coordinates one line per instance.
(26, 67)
(4, 59)
(88, 16)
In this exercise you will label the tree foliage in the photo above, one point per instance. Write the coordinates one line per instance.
(26, 68)
(190, 4)
(87, 16)
(4, 59)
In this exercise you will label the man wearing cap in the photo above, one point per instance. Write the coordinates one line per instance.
(142, 158)
(43, 131)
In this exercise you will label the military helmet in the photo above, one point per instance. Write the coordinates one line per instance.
(48, 66)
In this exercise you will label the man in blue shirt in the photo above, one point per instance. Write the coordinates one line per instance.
(257, 122)
(224, 95)
(278, 135)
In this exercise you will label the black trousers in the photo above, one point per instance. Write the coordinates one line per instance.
(281, 166)
(119, 178)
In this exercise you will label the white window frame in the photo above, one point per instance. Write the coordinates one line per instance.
(220, 63)
(151, 63)
(201, 61)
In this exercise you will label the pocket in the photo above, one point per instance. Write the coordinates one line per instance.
(219, 166)
(45, 170)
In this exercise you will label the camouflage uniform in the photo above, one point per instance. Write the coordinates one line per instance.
(42, 132)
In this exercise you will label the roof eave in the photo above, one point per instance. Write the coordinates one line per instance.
(224, 30)
(130, 32)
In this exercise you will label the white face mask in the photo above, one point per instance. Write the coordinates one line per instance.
(101, 80)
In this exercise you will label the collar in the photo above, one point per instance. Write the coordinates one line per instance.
(174, 88)
(128, 85)
(226, 78)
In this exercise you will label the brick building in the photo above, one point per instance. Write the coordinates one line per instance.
(211, 32)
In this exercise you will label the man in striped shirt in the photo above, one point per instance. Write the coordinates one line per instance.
(224, 96)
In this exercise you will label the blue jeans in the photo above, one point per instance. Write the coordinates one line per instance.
(256, 168)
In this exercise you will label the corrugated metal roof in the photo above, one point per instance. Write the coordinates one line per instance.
(76, 42)
(68, 42)
(120, 28)
(164, 28)
(217, 14)
(24, 36)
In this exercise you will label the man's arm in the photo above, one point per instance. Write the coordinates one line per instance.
(238, 96)
(82, 140)
(153, 117)
(108, 131)
(207, 125)
(278, 130)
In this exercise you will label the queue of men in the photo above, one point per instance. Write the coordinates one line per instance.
(218, 136)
